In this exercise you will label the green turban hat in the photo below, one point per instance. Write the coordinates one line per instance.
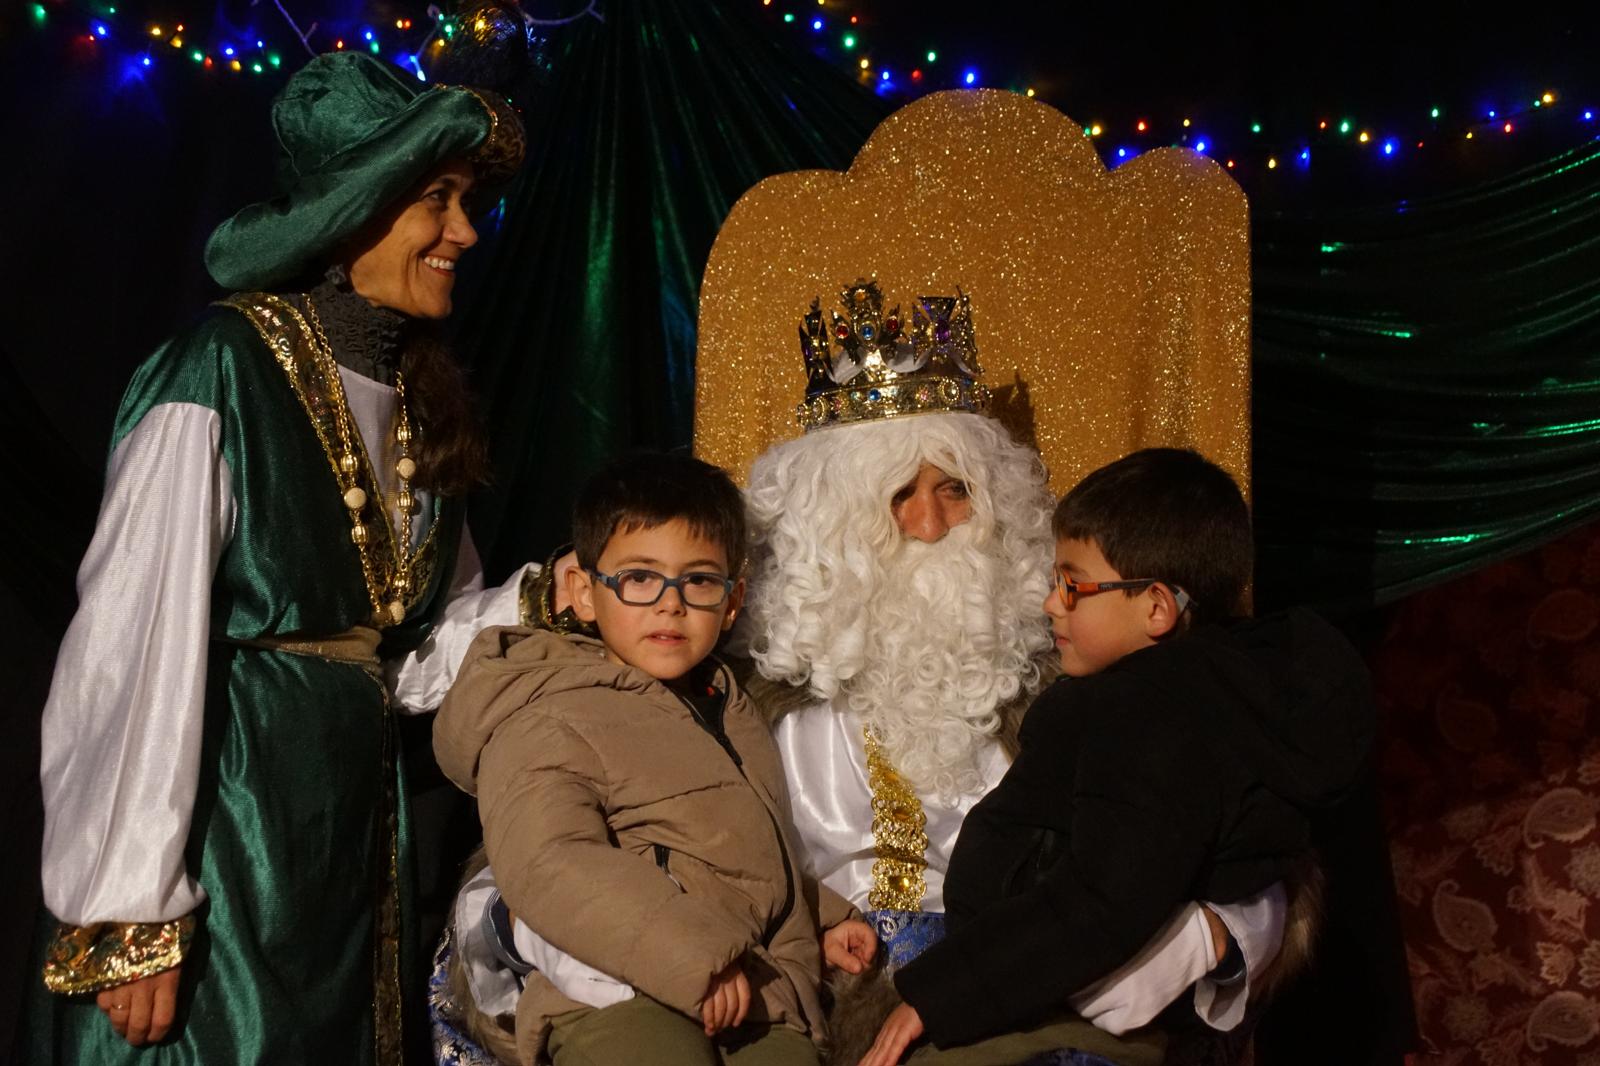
(354, 133)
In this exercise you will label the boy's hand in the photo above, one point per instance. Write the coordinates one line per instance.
(727, 1000)
(850, 946)
(141, 1011)
(902, 1026)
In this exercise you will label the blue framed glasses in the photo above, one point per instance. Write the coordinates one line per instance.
(643, 588)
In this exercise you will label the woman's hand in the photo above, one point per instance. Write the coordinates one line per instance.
(850, 946)
(727, 1000)
(141, 1011)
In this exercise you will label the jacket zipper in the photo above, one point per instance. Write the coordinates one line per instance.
(721, 737)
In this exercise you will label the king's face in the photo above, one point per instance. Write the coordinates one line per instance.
(931, 504)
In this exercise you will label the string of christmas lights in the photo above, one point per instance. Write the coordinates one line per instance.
(837, 34)
(147, 43)
(402, 40)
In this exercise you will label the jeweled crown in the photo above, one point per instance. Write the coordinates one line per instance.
(864, 364)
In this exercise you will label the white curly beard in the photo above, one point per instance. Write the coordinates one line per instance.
(925, 641)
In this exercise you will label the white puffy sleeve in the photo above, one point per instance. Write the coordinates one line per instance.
(121, 730)
(420, 678)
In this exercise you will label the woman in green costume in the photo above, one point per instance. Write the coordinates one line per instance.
(278, 567)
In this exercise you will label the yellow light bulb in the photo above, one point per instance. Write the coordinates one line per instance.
(1364, 138)
(864, 64)
(1549, 98)
(1030, 93)
(1272, 164)
(155, 31)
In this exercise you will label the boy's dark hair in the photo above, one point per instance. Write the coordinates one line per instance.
(1168, 514)
(644, 490)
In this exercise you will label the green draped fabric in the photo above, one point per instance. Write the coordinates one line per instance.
(1424, 372)
(581, 324)
(1427, 377)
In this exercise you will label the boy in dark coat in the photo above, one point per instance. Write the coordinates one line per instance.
(1174, 761)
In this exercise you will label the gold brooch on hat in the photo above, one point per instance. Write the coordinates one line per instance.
(864, 364)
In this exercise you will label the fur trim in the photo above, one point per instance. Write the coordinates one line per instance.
(861, 1004)
(1306, 888)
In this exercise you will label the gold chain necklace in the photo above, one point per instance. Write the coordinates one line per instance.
(898, 835)
(355, 497)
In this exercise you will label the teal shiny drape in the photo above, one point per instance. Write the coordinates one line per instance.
(1427, 382)
(1426, 372)
(581, 323)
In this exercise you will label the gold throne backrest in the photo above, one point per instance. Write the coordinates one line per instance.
(1112, 308)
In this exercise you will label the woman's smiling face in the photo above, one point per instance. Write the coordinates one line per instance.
(408, 261)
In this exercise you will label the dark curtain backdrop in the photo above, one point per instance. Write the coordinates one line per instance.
(1426, 372)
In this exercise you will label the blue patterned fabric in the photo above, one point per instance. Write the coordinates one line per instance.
(905, 934)
(451, 1044)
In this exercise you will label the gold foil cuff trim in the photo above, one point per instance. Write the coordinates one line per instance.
(89, 958)
(898, 836)
(536, 601)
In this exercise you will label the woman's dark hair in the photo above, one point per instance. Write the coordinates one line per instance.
(644, 490)
(451, 452)
(1167, 514)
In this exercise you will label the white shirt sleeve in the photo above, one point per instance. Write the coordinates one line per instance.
(1256, 922)
(420, 678)
(1130, 996)
(121, 730)
(493, 985)
(1182, 954)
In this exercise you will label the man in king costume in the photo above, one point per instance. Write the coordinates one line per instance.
(901, 545)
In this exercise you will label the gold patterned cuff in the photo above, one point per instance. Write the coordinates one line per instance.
(536, 600)
(88, 958)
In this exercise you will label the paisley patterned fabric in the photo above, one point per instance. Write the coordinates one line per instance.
(1488, 687)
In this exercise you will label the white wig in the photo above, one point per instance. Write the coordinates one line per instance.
(927, 642)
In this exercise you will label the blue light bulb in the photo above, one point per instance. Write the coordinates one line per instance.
(816, 24)
(971, 77)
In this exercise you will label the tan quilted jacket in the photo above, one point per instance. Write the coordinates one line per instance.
(626, 834)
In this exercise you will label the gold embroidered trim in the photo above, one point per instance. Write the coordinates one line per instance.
(506, 143)
(291, 340)
(536, 600)
(387, 1030)
(89, 958)
(898, 835)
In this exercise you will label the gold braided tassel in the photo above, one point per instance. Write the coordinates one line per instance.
(897, 835)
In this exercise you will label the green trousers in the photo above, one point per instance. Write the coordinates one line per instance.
(640, 1030)
(1139, 1048)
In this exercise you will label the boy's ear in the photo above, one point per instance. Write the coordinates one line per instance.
(580, 590)
(1161, 611)
(730, 609)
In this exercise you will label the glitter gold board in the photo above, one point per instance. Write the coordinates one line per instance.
(1111, 308)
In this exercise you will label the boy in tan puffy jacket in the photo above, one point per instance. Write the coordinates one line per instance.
(631, 796)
